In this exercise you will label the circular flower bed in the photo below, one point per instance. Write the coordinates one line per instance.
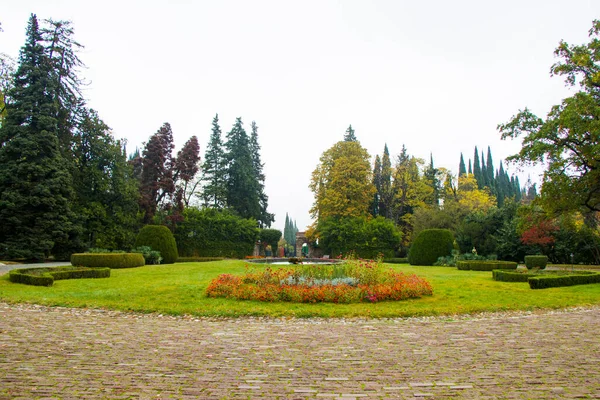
(350, 282)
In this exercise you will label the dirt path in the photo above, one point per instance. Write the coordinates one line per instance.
(71, 353)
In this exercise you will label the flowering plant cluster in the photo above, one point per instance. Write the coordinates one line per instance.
(350, 282)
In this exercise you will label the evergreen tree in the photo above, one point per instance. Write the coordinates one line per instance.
(431, 178)
(490, 170)
(484, 173)
(35, 184)
(264, 218)
(350, 136)
(461, 166)
(386, 195)
(214, 170)
(242, 185)
(377, 184)
(477, 169)
(470, 168)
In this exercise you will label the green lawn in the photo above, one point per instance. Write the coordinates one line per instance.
(179, 289)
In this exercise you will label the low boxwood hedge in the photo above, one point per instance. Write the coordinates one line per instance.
(504, 275)
(108, 260)
(537, 261)
(582, 278)
(477, 265)
(47, 276)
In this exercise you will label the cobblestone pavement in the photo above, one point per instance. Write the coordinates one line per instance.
(74, 353)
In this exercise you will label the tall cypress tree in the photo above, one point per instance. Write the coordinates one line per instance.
(477, 169)
(490, 170)
(470, 168)
(214, 170)
(462, 170)
(377, 184)
(35, 184)
(386, 194)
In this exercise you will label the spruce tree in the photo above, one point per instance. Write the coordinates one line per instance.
(461, 166)
(35, 184)
(349, 136)
(242, 185)
(214, 170)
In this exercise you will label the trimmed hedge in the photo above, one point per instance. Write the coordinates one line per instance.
(536, 261)
(544, 282)
(108, 260)
(198, 259)
(476, 265)
(510, 276)
(159, 238)
(47, 276)
(402, 260)
(429, 245)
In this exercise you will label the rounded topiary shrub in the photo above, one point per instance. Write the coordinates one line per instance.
(158, 238)
(537, 261)
(429, 245)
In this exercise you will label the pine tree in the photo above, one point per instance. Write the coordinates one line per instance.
(461, 166)
(264, 218)
(350, 136)
(214, 170)
(35, 184)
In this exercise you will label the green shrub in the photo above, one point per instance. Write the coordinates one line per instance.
(503, 275)
(429, 245)
(151, 257)
(396, 260)
(543, 282)
(215, 233)
(47, 276)
(108, 260)
(199, 259)
(452, 260)
(270, 237)
(476, 265)
(537, 261)
(159, 238)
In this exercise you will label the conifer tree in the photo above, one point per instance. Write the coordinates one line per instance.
(490, 170)
(264, 218)
(386, 194)
(477, 169)
(35, 184)
(214, 170)
(470, 168)
(377, 184)
(242, 185)
(461, 166)
(350, 136)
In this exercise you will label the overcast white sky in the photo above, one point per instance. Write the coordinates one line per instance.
(437, 76)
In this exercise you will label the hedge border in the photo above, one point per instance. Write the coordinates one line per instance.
(47, 278)
(477, 265)
(544, 282)
(108, 260)
(397, 260)
(536, 261)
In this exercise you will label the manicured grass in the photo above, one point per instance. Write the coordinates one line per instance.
(180, 289)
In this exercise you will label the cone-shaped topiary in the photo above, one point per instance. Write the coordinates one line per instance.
(429, 245)
(161, 239)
